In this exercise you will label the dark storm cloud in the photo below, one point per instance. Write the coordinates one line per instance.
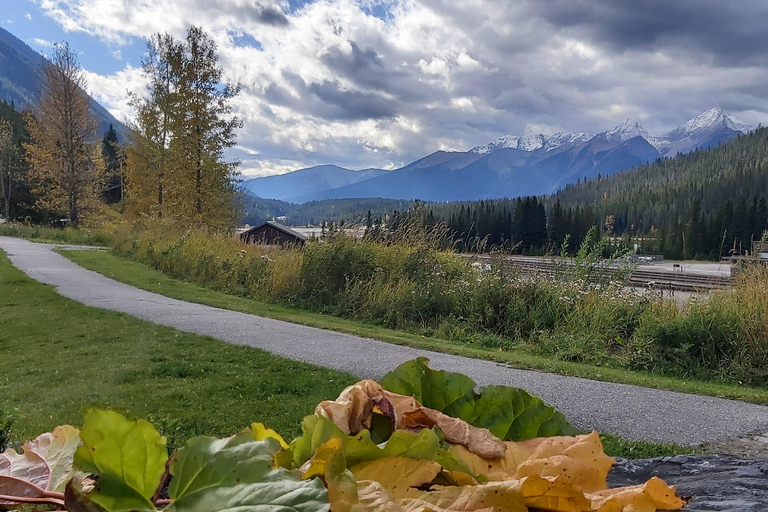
(352, 105)
(733, 33)
(267, 14)
(329, 100)
(370, 70)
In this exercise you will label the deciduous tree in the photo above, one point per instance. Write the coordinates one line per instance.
(177, 166)
(65, 161)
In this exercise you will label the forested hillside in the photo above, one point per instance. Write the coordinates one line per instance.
(314, 213)
(704, 204)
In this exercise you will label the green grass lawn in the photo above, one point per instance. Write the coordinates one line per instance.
(141, 276)
(60, 357)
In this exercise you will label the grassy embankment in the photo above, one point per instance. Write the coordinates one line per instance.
(60, 357)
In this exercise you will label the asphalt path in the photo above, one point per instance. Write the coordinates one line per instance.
(629, 411)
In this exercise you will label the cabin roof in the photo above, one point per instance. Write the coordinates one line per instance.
(279, 227)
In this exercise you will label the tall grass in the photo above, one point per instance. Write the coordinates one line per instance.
(583, 314)
(67, 235)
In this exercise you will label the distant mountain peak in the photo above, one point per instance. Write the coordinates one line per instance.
(699, 129)
(713, 118)
(629, 129)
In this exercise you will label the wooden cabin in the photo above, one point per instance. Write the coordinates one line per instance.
(273, 233)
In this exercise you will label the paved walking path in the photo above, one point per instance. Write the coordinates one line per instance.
(629, 411)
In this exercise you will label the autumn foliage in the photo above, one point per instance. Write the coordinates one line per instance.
(370, 450)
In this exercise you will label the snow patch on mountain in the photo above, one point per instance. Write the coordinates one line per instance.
(525, 143)
(531, 143)
(559, 139)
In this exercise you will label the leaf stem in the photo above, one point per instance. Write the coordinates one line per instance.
(164, 479)
(24, 499)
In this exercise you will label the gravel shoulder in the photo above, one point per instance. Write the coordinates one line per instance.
(631, 412)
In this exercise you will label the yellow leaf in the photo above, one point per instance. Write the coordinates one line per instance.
(262, 432)
(373, 497)
(317, 465)
(501, 468)
(578, 460)
(653, 495)
(490, 497)
(398, 475)
(552, 494)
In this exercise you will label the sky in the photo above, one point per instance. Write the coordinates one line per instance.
(381, 83)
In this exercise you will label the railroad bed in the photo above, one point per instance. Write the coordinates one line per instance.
(641, 278)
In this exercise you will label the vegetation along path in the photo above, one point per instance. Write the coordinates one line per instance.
(632, 412)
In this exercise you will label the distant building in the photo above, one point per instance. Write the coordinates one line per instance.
(273, 233)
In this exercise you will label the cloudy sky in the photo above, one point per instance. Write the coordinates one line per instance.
(380, 83)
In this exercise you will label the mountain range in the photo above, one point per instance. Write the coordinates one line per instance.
(21, 72)
(508, 167)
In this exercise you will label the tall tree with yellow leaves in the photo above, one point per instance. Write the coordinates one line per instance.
(65, 164)
(176, 165)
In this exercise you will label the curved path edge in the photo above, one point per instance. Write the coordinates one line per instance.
(631, 412)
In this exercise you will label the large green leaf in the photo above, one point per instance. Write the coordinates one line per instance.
(129, 457)
(211, 475)
(509, 413)
(451, 393)
(426, 445)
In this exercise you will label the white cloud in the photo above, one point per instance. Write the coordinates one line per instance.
(42, 43)
(28, 16)
(113, 91)
(331, 83)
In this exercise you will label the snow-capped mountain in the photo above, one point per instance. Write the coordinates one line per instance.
(629, 129)
(513, 165)
(532, 142)
(560, 139)
(524, 143)
(705, 130)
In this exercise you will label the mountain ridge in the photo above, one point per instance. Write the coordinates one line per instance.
(21, 70)
(529, 165)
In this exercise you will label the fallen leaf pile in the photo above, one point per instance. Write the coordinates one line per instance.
(481, 474)
(419, 441)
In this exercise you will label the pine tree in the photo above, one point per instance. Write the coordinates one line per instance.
(63, 152)
(112, 154)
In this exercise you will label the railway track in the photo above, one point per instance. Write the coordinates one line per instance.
(640, 278)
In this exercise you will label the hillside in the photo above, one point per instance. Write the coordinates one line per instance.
(20, 79)
(715, 199)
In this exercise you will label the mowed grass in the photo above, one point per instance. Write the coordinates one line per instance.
(58, 358)
(142, 276)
